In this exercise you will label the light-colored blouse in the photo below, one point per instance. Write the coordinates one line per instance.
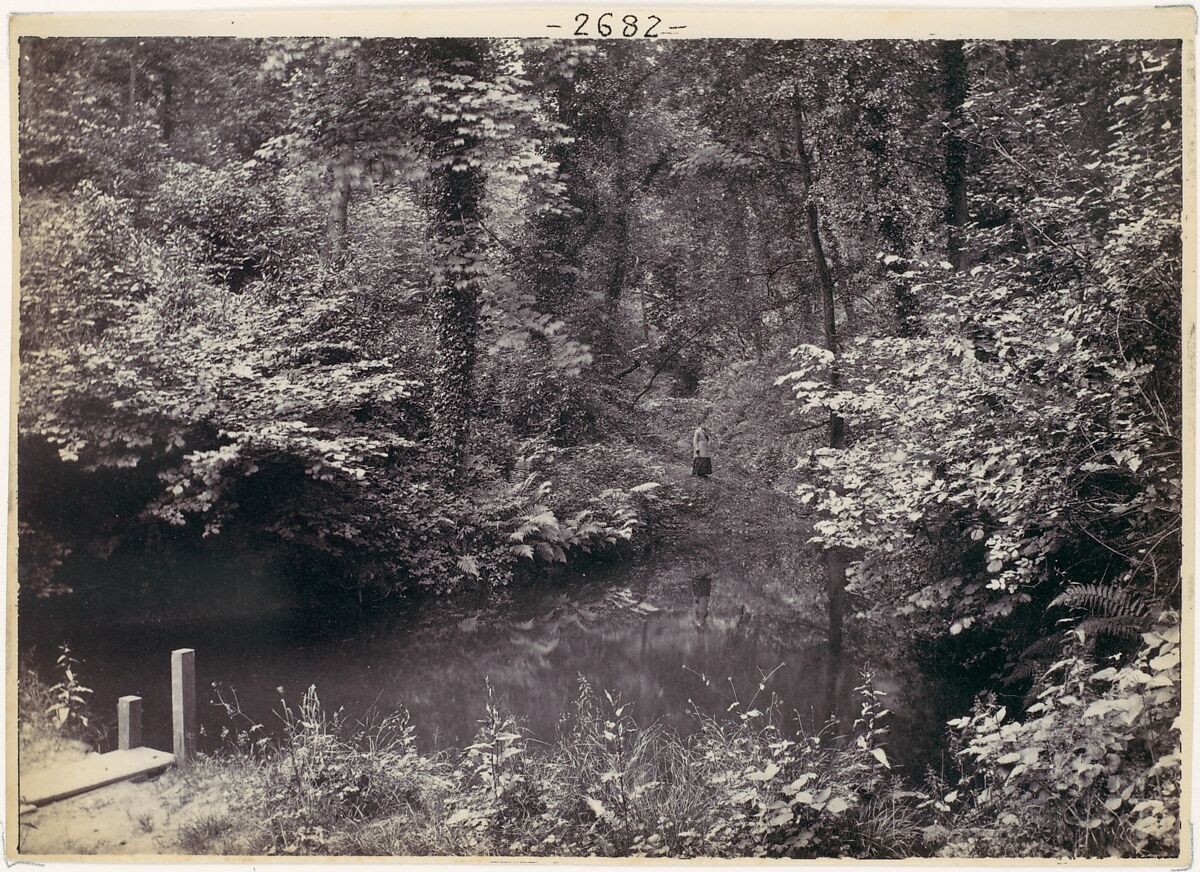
(700, 443)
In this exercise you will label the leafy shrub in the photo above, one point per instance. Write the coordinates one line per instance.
(1092, 769)
(264, 415)
(1027, 435)
(737, 788)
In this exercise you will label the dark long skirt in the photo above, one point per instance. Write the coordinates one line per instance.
(701, 466)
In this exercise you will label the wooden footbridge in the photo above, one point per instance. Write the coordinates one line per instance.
(38, 787)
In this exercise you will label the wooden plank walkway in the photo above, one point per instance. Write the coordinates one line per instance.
(96, 770)
(41, 786)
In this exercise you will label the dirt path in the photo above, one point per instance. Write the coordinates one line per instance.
(128, 818)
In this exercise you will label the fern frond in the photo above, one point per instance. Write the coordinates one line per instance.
(1021, 671)
(1125, 626)
(1042, 649)
(1102, 600)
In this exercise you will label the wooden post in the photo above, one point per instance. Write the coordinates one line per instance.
(129, 723)
(183, 704)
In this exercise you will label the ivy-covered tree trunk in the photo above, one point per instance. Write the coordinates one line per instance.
(619, 254)
(953, 63)
(905, 302)
(455, 201)
(167, 112)
(560, 231)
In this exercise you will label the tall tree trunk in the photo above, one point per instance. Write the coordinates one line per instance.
(555, 261)
(132, 82)
(953, 64)
(824, 274)
(455, 200)
(619, 254)
(642, 301)
(339, 205)
(341, 170)
(893, 224)
(166, 121)
(905, 302)
(750, 316)
(835, 558)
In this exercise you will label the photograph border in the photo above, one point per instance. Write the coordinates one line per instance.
(698, 22)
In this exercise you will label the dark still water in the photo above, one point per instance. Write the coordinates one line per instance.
(631, 629)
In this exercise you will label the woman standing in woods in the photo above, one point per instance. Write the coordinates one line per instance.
(701, 453)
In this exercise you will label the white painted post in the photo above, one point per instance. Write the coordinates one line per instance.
(129, 723)
(183, 704)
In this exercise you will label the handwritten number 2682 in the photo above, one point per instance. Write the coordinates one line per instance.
(605, 28)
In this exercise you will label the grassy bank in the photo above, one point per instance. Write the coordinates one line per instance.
(1084, 771)
(606, 786)
(739, 786)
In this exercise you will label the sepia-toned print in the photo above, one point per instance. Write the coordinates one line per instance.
(603, 443)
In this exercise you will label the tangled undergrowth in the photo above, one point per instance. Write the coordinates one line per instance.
(1091, 768)
(742, 785)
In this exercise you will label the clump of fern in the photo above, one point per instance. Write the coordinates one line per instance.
(1105, 610)
(1098, 615)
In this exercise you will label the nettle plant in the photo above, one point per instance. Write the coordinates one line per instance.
(1094, 766)
(68, 704)
(497, 796)
(781, 794)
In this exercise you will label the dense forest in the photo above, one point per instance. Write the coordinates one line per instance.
(422, 317)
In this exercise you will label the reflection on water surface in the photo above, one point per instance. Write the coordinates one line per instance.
(633, 629)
